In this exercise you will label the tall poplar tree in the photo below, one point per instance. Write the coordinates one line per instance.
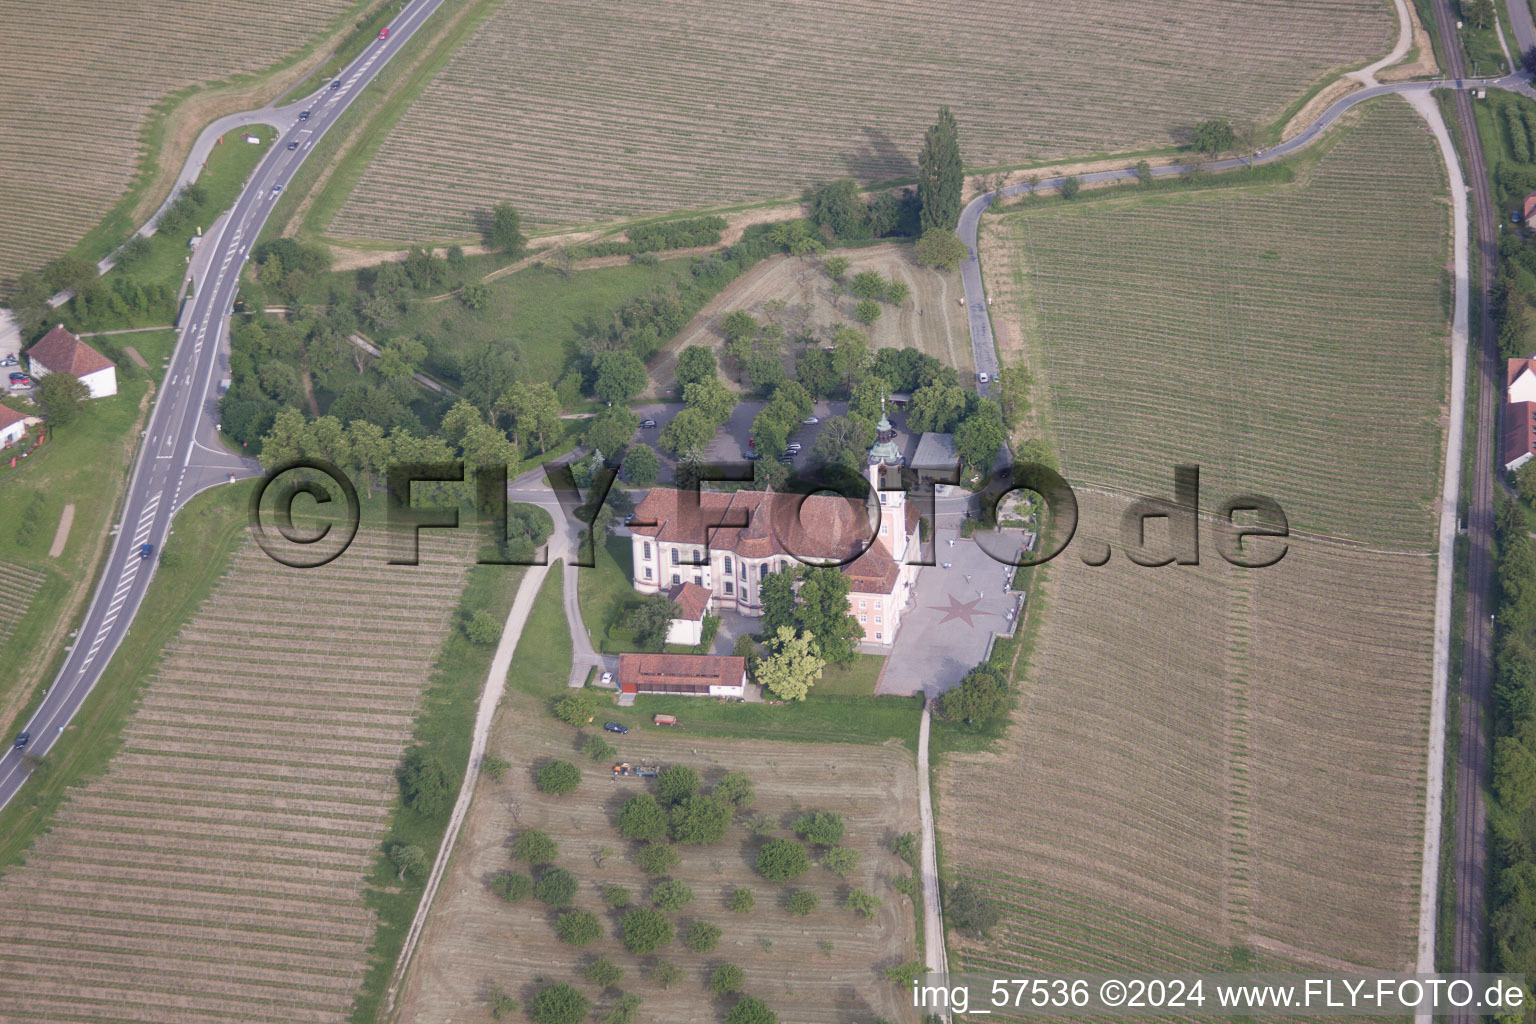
(941, 175)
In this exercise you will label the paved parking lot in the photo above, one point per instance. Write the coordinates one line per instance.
(954, 613)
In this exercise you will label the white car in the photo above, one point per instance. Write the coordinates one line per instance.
(982, 377)
(607, 679)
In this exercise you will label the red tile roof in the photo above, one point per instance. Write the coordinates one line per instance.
(756, 524)
(1530, 206)
(61, 352)
(1519, 431)
(1514, 369)
(9, 416)
(678, 673)
(873, 572)
(692, 600)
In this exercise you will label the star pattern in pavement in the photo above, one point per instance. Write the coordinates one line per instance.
(963, 610)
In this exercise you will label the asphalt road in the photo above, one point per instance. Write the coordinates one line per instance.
(182, 453)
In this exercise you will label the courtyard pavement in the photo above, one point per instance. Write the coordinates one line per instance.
(949, 626)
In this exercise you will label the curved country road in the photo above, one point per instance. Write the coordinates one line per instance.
(182, 452)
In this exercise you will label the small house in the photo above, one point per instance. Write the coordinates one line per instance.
(1528, 208)
(13, 426)
(59, 351)
(683, 675)
(692, 601)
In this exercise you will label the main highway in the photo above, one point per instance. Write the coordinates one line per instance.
(182, 453)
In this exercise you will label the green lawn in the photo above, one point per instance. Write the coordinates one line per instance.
(84, 464)
(207, 532)
(541, 664)
(856, 680)
(817, 719)
(606, 594)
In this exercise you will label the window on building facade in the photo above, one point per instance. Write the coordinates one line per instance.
(863, 617)
(762, 571)
(863, 603)
(728, 589)
(727, 563)
(647, 572)
(877, 620)
(877, 634)
(647, 549)
(676, 579)
(699, 580)
(675, 560)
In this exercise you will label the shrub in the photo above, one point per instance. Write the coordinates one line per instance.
(801, 902)
(645, 930)
(559, 1004)
(867, 311)
(863, 903)
(840, 860)
(512, 886)
(502, 1005)
(782, 859)
(578, 928)
(484, 628)
(597, 748)
(558, 777)
(666, 973)
(534, 847)
(968, 910)
(727, 978)
(642, 818)
(702, 937)
(700, 820)
(751, 1010)
(905, 847)
(672, 895)
(906, 973)
(616, 896)
(735, 788)
(676, 784)
(424, 779)
(1070, 186)
(823, 828)
(742, 900)
(556, 887)
(495, 767)
(603, 972)
(941, 249)
(576, 708)
(657, 859)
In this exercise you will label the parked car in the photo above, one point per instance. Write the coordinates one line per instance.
(606, 680)
(792, 446)
(8, 361)
(811, 421)
(145, 551)
(787, 459)
(751, 456)
(648, 424)
(22, 740)
(629, 518)
(616, 727)
(982, 377)
(17, 377)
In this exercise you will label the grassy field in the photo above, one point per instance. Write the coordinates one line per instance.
(85, 464)
(222, 858)
(1223, 759)
(81, 112)
(819, 969)
(754, 101)
(932, 320)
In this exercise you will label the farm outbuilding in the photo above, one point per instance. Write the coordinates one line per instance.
(13, 426)
(1528, 208)
(683, 675)
(1518, 443)
(59, 351)
(692, 601)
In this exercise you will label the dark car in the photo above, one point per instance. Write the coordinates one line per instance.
(648, 424)
(17, 377)
(616, 727)
(751, 456)
(293, 145)
(788, 460)
(303, 115)
(146, 551)
(336, 84)
(23, 740)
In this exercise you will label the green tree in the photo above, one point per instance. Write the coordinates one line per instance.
(424, 779)
(867, 311)
(941, 249)
(750, 1010)
(867, 284)
(505, 231)
(603, 973)
(903, 975)
(610, 431)
(576, 708)
(815, 372)
(792, 664)
(801, 902)
(1213, 136)
(782, 859)
(512, 886)
(966, 909)
(1525, 481)
(727, 978)
(689, 432)
(578, 928)
(844, 441)
(657, 858)
(597, 748)
(835, 266)
(897, 292)
(616, 896)
(502, 1005)
(863, 903)
(981, 435)
(559, 1004)
(700, 820)
(645, 930)
(625, 1006)
(868, 395)
(702, 937)
(676, 783)
(666, 974)
(735, 789)
(739, 326)
(712, 398)
(1070, 186)
(495, 767)
(695, 365)
(620, 377)
(940, 174)
(556, 887)
(822, 611)
(61, 395)
(979, 698)
(642, 818)
(484, 628)
(840, 208)
(641, 465)
(558, 778)
(741, 901)
(651, 618)
(824, 828)
(1143, 173)
(408, 860)
(535, 413)
(1013, 386)
(672, 894)
(840, 860)
(535, 847)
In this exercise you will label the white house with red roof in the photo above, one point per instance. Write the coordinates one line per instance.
(727, 543)
(59, 351)
(13, 426)
(693, 604)
(1518, 443)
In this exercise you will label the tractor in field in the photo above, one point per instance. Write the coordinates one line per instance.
(644, 771)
